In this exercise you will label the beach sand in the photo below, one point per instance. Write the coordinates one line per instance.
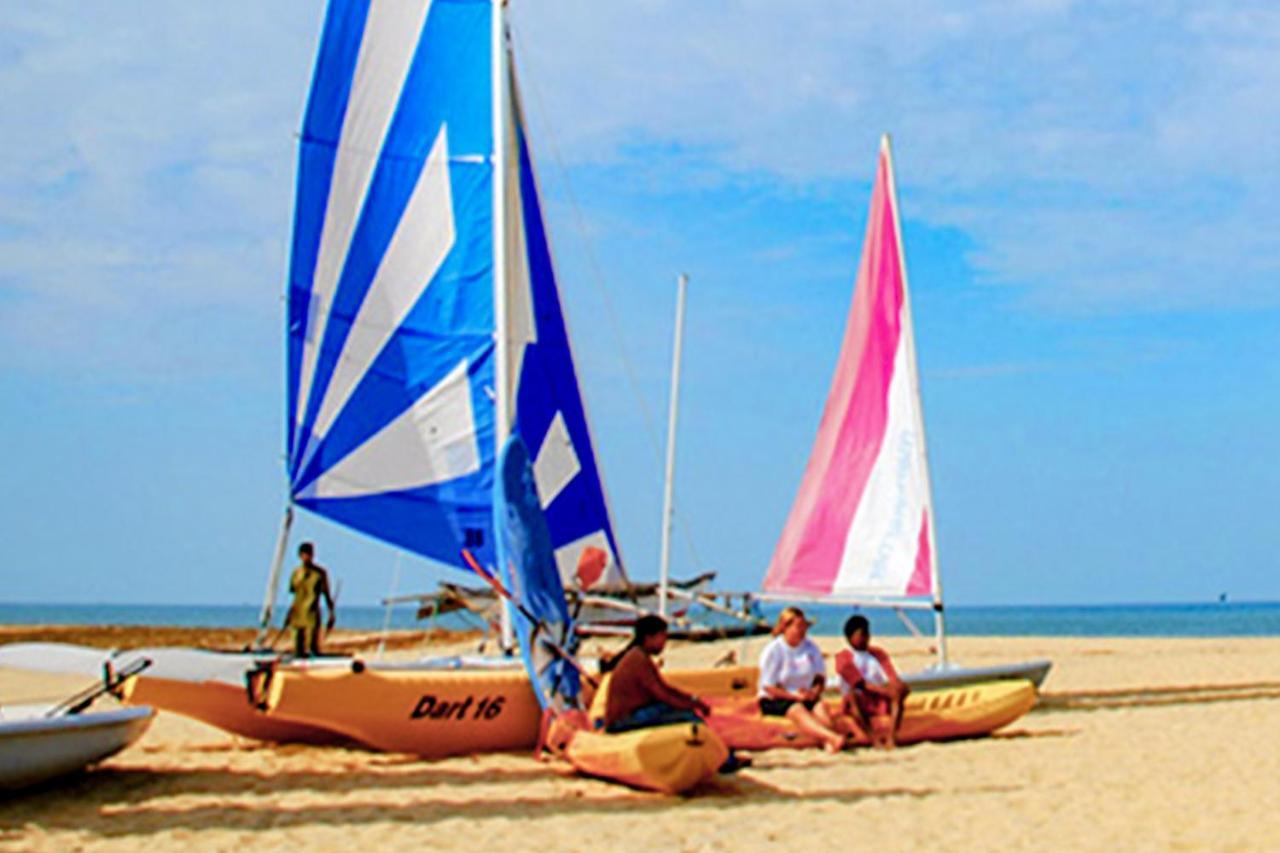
(1137, 744)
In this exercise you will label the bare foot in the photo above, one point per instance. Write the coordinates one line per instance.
(834, 745)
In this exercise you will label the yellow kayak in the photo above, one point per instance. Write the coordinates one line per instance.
(668, 759)
(930, 715)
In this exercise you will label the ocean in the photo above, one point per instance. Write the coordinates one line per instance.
(1245, 619)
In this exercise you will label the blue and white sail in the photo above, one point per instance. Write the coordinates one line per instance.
(413, 231)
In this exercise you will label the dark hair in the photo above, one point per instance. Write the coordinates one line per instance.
(306, 548)
(854, 622)
(646, 626)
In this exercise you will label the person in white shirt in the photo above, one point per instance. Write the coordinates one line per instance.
(792, 677)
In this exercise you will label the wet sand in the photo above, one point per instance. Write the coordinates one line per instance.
(1137, 743)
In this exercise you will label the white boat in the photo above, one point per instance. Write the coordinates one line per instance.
(35, 748)
(861, 529)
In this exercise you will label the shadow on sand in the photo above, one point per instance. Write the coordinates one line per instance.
(114, 803)
(1151, 697)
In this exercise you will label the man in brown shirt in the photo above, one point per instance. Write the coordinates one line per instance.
(638, 695)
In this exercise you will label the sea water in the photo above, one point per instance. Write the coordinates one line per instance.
(1251, 619)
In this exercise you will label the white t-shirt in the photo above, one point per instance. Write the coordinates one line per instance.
(792, 668)
(867, 664)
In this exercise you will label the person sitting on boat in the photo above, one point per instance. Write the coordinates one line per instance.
(792, 677)
(638, 696)
(309, 583)
(873, 692)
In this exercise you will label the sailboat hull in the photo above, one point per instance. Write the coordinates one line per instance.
(224, 706)
(35, 749)
(437, 713)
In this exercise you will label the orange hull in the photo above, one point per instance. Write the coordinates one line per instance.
(225, 706)
(436, 712)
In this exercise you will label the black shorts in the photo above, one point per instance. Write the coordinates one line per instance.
(779, 707)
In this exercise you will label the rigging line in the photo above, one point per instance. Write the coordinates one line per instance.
(598, 278)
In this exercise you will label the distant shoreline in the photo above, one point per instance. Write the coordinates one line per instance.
(1231, 619)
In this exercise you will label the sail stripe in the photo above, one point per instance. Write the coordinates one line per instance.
(388, 42)
(852, 528)
(434, 441)
(336, 60)
(422, 239)
(921, 582)
(882, 540)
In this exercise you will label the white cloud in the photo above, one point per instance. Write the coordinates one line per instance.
(147, 177)
(1100, 157)
(1072, 141)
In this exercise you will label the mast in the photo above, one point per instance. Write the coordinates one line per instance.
(668, 510)
(935, 577)
(273, 578)
(503, 401)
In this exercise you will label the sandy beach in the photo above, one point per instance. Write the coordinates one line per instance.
(1137, 744)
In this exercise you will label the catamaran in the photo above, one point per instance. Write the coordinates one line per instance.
(861, 529)
(424, 325)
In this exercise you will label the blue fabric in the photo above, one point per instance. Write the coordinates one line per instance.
(448, 84)
(529, 572)
(548, 382)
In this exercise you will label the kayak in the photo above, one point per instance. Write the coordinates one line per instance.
(948, 713)
(669, 759)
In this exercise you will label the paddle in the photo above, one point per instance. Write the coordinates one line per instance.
(110, 681)
(503, 592)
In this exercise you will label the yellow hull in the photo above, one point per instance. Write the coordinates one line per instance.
(667, 759)
(433, 713)
(225, 706)
(929, 715)
(438, 713)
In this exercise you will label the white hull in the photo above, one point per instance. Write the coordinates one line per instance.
(934, 678)
(34, 748)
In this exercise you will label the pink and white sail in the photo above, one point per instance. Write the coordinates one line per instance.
(861, 524)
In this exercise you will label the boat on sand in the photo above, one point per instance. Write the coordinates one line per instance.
(36, 748)
(946, 713)
(861, 528)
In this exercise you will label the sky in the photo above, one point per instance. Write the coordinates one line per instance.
(1090, 201)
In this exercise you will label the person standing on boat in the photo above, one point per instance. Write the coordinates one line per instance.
(873, 692)
(309, 583)
(792, 677)
(637, 695)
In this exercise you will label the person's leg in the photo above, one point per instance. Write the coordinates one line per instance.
(299, 642)
(898, 704)
(832, 741)
(850, 722)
